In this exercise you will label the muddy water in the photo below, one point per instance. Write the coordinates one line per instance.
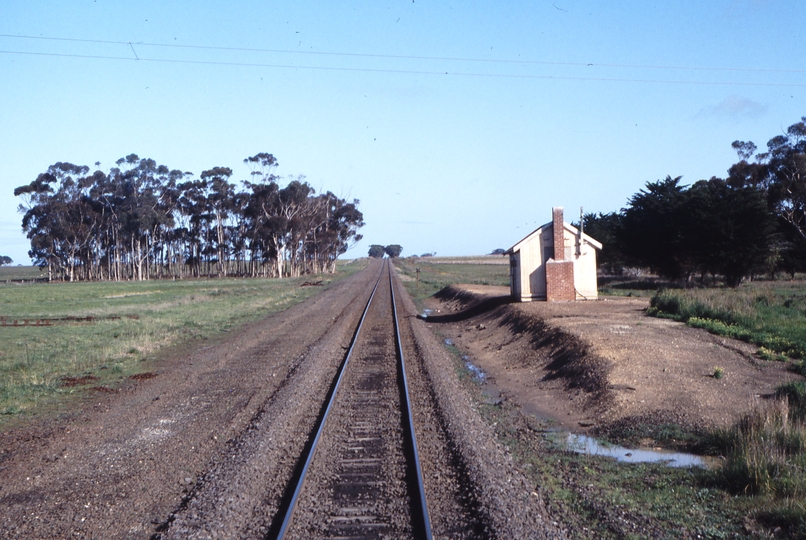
(583, 444)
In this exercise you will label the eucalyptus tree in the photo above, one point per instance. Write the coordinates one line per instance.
(142, 220)
(220, 199)
(780, 172)
(393, 250)
(294, 207)
(56, 227)
(138, 182)
(192, 206)
(333, 224)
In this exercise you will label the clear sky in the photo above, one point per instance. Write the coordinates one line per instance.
(458, 125)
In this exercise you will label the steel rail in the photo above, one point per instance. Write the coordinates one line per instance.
(298, 489)
(423, 506)
(420, 510)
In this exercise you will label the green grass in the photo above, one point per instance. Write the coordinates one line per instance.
(771, 315)
(626, 286)
(131, 322)
(14, 272)
(765, 459)
(438, 272)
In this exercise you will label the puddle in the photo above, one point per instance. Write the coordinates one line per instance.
(426, 313)
(582, 444)
(449, 342)
(476, 370)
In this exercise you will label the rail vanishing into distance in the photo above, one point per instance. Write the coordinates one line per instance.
(366, 469)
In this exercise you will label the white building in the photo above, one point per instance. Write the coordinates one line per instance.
(554, 267)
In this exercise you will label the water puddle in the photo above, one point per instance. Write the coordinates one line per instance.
(583, 444)
(426, 313)
(476, 370)
(449, 342)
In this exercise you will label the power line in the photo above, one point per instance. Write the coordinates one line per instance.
(408, 57)
(400, 71)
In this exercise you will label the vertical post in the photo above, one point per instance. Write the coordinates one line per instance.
(418, 278)
(581, 231)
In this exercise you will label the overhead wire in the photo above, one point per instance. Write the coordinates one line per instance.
(400, 71)
(409, 57)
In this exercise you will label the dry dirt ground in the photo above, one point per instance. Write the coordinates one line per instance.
(599, 364)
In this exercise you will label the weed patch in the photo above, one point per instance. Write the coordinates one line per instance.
(767, 315)
(765, 456)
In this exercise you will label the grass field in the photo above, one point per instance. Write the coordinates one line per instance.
(104, 332)
(20, 272)
(439, 272)
(771, 314)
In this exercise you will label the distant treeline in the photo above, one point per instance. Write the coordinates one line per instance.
(142, 220)
(752, 222)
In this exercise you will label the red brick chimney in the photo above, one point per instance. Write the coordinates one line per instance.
(559, 272)
(557, 226)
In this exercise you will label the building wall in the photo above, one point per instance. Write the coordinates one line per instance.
(585, 273)
(528, 281)
(532, 270)
(515, 274)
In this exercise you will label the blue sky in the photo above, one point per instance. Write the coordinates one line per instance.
(457, 125)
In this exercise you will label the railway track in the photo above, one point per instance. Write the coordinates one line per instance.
(331, 452)
(361, 477)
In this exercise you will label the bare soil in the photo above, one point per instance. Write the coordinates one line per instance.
(599, 365)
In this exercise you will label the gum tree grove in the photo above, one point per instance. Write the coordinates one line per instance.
(141, 220)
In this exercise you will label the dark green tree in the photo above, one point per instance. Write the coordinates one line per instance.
(604, 228)
(376, 251)
(653, 231)
(4, 260)
(709, 228)
(729, 229)
(393, 250)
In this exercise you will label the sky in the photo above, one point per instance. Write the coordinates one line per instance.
(457, 125)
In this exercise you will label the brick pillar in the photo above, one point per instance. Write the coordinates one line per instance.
(558, 227)
(559, 272)
(560, 281)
